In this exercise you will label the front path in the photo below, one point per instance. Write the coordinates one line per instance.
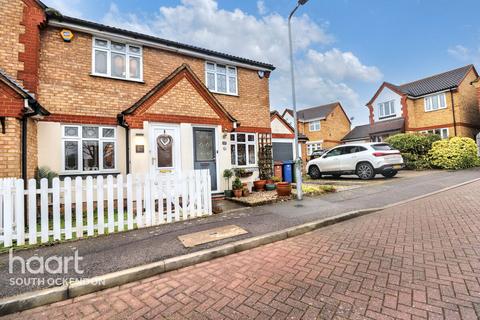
(415, 261)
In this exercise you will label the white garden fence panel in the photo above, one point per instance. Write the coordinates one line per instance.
(76, 208)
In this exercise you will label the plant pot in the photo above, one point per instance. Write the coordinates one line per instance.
(270, 181)
(259, 185)
(270, 186)
(229, 193)
(238, 193)
(284, 189)
(245, 192)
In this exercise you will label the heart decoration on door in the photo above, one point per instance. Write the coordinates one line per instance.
(164, 141)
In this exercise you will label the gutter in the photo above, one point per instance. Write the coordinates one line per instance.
(123, 123)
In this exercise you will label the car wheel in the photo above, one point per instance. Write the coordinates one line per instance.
(365, 171)
(314, 172)
(389, 173)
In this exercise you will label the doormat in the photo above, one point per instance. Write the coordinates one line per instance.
(194, 239)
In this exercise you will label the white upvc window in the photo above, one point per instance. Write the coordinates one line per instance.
(221, 78)
(313, 147)
(243, 147)
(386, 109)
(442, 132)
(88, 149)
(435, 102)
(117, 60)
(314, 126)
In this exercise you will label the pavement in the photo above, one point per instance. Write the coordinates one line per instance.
(418, 260)
(120, 251)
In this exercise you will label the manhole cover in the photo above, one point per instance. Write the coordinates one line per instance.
(197, 238)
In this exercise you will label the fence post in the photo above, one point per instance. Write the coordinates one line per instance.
(20, 211)
(67, 184)
(44, 209)
(110, 210)
(120, 213)
(56, 208)
(7, 214)
(32, 211)
(100, 206)
(79, 207)
(89, 186)
(129, 202)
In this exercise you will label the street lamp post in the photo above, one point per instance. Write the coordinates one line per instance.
(298, 163)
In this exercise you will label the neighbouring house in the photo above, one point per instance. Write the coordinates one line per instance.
(359, 134)
(445, 104)
(283, 138)
(323, 126)
(123, 102)
(288, 116)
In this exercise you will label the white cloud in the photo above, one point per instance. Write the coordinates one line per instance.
(69, 8)
(465, 54)
(321, 77)
(261, 7)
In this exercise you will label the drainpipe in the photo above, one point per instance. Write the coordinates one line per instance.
(453, 110)
(36, 111)
(123, 123)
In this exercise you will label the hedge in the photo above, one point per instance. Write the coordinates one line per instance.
(414, 148)
(454, 153)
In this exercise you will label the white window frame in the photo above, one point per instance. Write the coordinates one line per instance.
(441, 101)
(234, 162)
(383, 107)
(214, 72)
(79, 138)
(442, 132)
(314, 126)
(314, 146)
(108, 49)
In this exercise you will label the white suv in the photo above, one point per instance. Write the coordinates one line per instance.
(363, 159)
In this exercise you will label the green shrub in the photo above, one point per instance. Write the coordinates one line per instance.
(414, 148)
(453, 154)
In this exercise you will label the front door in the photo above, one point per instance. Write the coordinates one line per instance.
(205, 152)
(165, 149)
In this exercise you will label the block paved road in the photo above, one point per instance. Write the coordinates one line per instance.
(420, 260)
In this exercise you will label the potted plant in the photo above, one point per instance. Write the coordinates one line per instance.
(259, 185)
(237, 187)
(227, 174)
(284, 189)
(271, 183)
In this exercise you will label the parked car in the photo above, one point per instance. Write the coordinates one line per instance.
(363, 159)
(317, 153)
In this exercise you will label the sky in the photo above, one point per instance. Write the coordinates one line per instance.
(344, 49)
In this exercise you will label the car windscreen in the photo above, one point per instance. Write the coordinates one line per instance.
(382, 147)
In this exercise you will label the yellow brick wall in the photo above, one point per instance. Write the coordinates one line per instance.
(10, 30)
(10, 149)
(66, 86)
(183, 100)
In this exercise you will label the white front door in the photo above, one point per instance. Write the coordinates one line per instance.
(165, 149)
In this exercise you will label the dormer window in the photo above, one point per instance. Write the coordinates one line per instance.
(221, 78)
(117, 60)
(386, 110)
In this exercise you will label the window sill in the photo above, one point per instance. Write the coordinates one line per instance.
(439, 109)
(387, 117)
(225, 93)
(64, 175)
(116, 78)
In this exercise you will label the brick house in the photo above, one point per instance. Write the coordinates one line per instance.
(124, 102)
(323, 126)
(445, 104)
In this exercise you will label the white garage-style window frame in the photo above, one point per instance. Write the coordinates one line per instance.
(117, 60)
(435, 102)
(314, 126)
(243, 147)
(89, 149)
(221, 78)
(386, 109)
(442, 132)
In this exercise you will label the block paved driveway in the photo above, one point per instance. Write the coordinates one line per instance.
(420, 260)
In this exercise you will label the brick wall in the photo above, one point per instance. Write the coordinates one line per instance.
(66, 86)
(10, 30)
(10, 149)
(11, 104)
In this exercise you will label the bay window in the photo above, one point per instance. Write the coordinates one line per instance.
(116, 60)
(88, 149)
(243, 149)
(386, 109)
(435, 102)
(221, 78)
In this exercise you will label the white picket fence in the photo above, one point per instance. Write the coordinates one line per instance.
(90, 206)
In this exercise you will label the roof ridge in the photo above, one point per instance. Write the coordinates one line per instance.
(435, 75)
(322, 105)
